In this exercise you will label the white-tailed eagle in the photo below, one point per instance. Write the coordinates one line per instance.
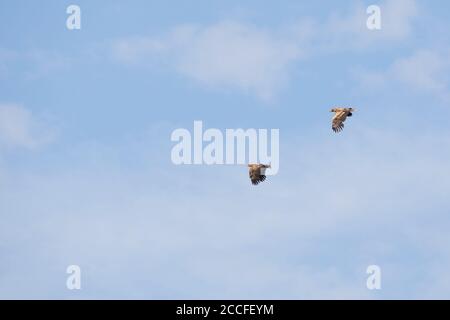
(257, 172)
(340, 115)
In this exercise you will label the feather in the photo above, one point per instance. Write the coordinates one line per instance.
(340, 115)
(256, 173)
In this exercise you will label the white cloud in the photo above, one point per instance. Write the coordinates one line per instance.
(235, 55)
(224, 55)
(256, 60)
(136, 49)
(19, 128)
(425, 70)
(398, 18)
(348, 31)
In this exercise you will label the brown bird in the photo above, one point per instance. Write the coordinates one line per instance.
(340, 116)
(257, 172)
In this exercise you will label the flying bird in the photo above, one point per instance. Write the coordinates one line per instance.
(340, 116)
(257, 172)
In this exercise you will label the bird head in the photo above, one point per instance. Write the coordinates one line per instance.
(333, 110)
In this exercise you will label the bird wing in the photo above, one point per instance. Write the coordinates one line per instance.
(255, 174)
(338, 120)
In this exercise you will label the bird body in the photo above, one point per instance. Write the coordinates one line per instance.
(340, 115)
(256, 172)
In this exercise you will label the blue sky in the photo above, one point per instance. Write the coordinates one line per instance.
(86, 176)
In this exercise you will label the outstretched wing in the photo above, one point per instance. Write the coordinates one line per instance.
(256, 176)
(338, 121)
(338, 125)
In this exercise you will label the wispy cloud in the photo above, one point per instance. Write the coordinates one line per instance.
(424, 70)
(20, 128)
(258, 60)
(227, 54)
(32, 64)
(348, 31)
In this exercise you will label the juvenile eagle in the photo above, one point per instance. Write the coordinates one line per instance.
(257, 172)
(340, 116)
